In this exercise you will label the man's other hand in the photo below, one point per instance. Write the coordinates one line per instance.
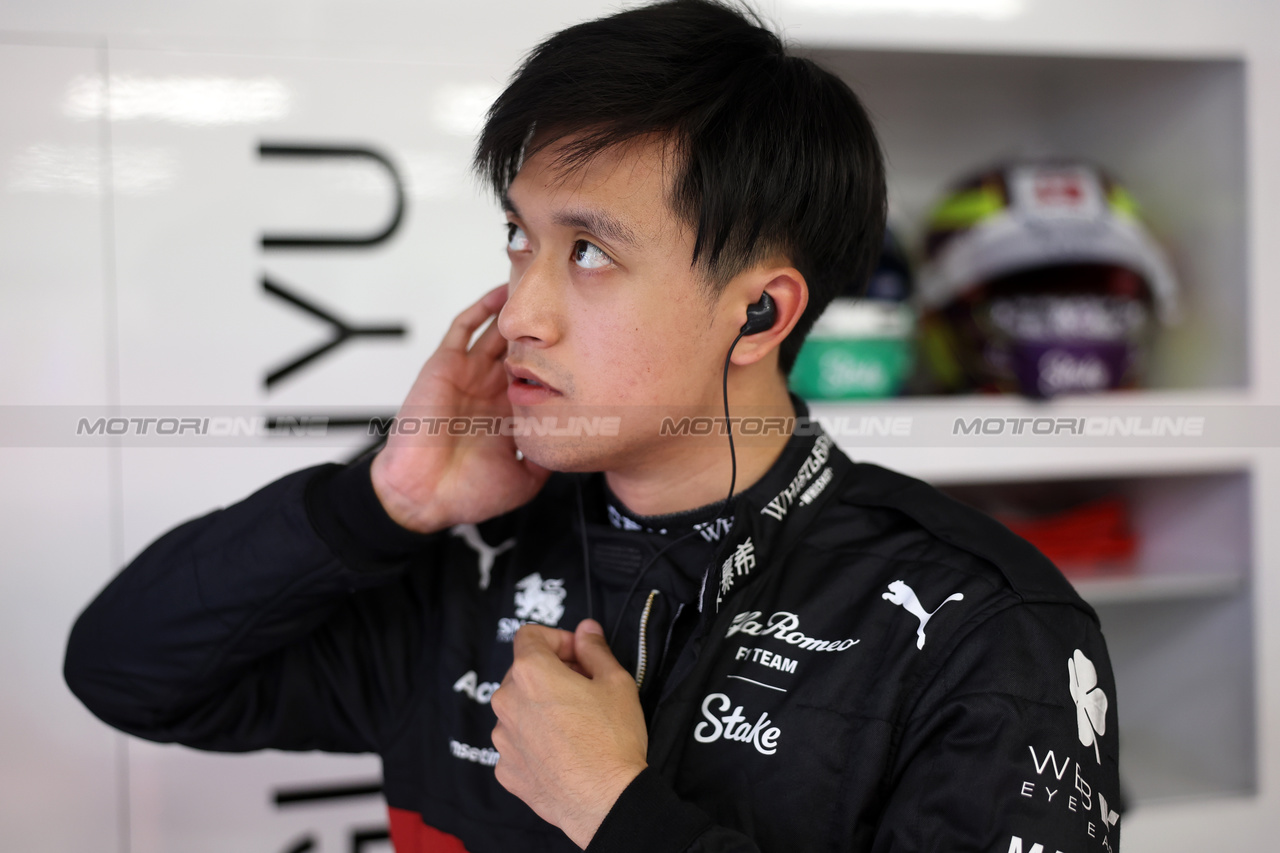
(432, 479)
(571, 734)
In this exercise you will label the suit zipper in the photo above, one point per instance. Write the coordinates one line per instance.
(642, 656)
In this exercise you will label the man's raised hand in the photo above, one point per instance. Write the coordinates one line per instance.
(428, 482)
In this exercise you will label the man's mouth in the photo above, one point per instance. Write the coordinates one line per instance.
(524, 382)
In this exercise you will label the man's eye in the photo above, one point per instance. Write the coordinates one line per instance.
(517, 241)
(590, 256)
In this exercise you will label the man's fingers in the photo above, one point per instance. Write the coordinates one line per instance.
(466, 323)
(491, 343)
(536, 640)
(594, 655)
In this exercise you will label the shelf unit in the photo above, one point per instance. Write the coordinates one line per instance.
(1178, 621)
(1104, 592)
(1171, 130)
(1179, 616)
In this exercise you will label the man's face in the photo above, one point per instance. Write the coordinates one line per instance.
(604, 309)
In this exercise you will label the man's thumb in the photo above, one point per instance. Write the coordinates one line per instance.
(591, 648)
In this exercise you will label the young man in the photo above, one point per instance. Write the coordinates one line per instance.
(839, 658)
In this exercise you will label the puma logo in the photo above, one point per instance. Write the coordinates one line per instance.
(905, 597)
(487, 553)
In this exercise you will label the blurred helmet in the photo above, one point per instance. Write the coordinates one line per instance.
(861, 345)
(1039, 277)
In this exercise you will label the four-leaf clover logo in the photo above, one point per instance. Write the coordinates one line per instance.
(1091, 702)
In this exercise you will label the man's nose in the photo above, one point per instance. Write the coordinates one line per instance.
(532, 311)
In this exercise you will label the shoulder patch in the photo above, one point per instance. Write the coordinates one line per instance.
(1030, 573)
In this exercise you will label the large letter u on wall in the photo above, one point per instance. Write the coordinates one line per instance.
(336, 241)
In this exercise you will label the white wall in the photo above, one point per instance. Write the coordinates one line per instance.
(132, 268)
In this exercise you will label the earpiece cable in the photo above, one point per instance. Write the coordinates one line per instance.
(733, 479)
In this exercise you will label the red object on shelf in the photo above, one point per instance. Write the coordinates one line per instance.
(1088, 539)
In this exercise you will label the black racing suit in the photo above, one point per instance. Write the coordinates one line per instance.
(855, 663)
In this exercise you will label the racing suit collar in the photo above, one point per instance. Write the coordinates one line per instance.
(772, 515)
(708, 516)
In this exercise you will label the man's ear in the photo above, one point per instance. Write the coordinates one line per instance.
(790, 294)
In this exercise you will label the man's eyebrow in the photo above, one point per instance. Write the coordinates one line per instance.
(596, 222)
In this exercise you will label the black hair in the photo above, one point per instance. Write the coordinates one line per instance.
(773, 154)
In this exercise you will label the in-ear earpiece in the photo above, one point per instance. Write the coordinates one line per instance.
(760, 316)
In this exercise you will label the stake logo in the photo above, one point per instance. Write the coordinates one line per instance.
(763, 735)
